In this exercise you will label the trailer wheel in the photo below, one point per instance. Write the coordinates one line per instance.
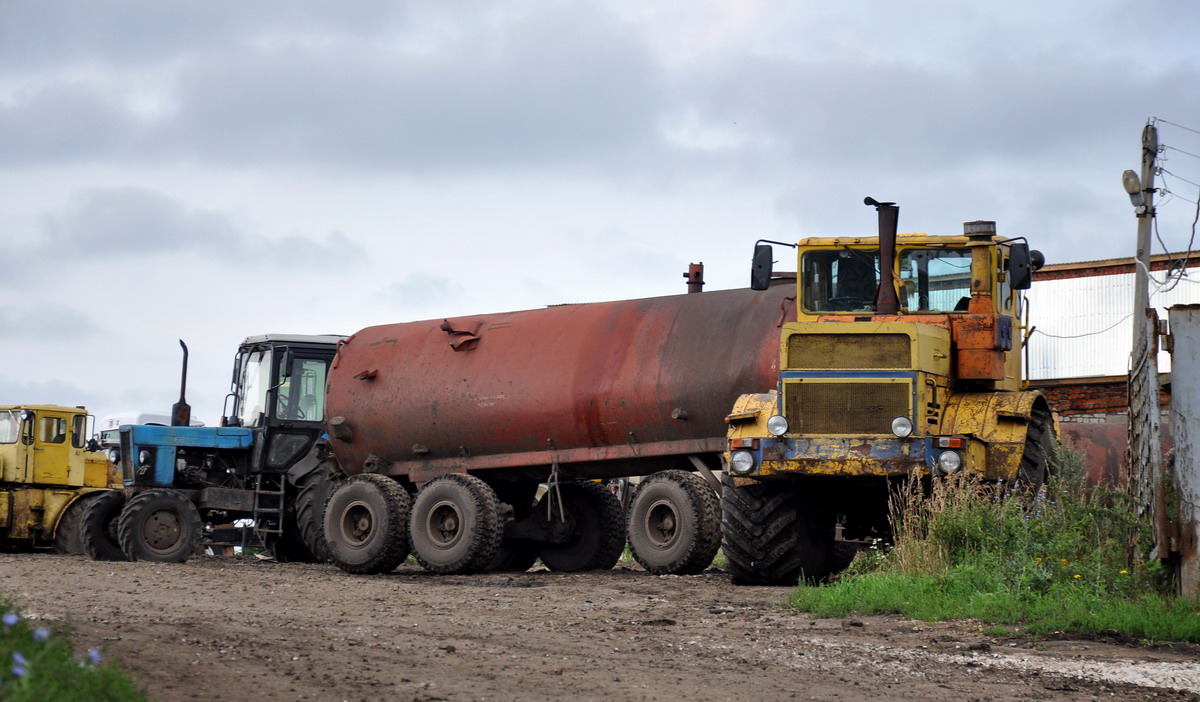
(159, 525)
(774, 535)
(455, 525)
(99, 529)
(1034, 471)
(595, 524)
(364, 527)
(674, 523)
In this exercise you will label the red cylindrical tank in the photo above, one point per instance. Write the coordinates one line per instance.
(573, 385)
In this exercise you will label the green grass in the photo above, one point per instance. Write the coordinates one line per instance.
(37, 664)
(1070, 559)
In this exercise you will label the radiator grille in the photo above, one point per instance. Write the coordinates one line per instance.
(845, 408)
(848, 351)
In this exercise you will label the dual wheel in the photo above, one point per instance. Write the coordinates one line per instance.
(454, 526)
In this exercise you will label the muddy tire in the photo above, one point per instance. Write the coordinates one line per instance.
(596, 528)
(674, 523)
(1034, 470)
(455, 526)
(773, 535)
(99, 530)
(312, 492)
(67, 539)
(159, 525)
(365, 524)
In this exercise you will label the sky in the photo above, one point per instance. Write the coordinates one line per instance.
(211, 170)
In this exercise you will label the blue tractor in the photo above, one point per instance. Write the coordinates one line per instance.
(259, 464)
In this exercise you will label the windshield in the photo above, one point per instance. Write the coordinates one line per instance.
(935, 280)
(845, 280)
(840, 281)
(254, 381)
(10, 426)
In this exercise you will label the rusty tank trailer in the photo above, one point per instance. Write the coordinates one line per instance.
(478, 442)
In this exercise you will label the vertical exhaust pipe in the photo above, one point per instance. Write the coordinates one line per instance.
(181, 412)
(886, 301)
(695, 277)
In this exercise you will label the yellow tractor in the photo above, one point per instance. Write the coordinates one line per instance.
(56, 491)
(904, 362)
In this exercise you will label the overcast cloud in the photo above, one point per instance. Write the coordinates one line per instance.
(211, 170)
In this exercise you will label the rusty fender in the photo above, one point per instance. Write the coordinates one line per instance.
(1000, 420)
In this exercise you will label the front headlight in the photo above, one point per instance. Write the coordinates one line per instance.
(741, 462)
(777, 425)
(902, 427)
(144, 457)
(949, 462)
(114, 455)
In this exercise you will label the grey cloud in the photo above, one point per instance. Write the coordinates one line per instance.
(49, 33)
(125, 224)
(565, 86)
(45, 322)
(558, 88)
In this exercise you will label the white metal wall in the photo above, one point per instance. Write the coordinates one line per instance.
(1084, 325)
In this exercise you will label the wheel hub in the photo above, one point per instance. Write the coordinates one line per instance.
(662, 524)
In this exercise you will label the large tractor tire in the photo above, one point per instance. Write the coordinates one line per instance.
(159, 525)
(595, 525)
(67, 539)
(312, 492)
(455, 526)
(99, 528)
(775, 536)
(365, 524)
(674, 523)
(1035, 459)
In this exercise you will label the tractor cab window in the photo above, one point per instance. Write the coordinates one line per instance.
(52, 430)
(300, 390)
(10, 426)
(935, 280)
(844, 280)
(252, 387)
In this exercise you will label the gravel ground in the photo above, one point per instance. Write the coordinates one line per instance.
(232, 629)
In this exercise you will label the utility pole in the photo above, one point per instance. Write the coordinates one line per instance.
(1145, 447)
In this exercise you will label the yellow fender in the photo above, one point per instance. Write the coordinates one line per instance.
(1000, 420)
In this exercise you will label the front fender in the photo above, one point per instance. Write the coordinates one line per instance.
(1000, 420)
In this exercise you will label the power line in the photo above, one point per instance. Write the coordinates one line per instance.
(1159, 119)
(1175, 148)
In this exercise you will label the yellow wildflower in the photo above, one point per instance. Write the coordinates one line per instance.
(1038, 559)
(1077, 576)
(1063, 561)
(1124, 572)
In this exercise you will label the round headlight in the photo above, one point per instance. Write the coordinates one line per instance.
(949, 461)
(144, 457)
(114, 455)
(777, 425)
(902, 427)
(741, 462)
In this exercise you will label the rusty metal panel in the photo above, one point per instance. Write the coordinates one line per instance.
(571, 382)
(849, 351)
(1185, 403)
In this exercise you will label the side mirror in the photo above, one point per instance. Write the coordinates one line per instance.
(1021, 264)
(760, 268)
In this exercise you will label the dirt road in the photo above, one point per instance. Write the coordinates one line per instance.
(227, 629)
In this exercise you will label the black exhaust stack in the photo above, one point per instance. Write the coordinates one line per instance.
(181, 412)
(886, 301)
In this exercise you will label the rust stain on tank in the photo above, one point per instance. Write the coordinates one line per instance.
(591, 376)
